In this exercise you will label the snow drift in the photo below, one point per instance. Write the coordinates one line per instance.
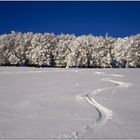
(69, 103)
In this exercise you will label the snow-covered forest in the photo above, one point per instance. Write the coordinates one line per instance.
(50, 50)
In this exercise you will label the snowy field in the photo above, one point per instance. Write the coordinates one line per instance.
(69, 103)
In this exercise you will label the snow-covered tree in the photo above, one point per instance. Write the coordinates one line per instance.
(51, 50)
(41, 50)
(62, 49)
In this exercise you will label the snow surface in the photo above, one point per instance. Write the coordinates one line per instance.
(69, 103)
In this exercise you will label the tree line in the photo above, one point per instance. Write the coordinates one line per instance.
(85, 51)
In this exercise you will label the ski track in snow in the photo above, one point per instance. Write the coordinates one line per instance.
(104, 114)
(105, 74)
(37, 71)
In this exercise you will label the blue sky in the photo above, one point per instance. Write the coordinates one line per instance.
(118, 19)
